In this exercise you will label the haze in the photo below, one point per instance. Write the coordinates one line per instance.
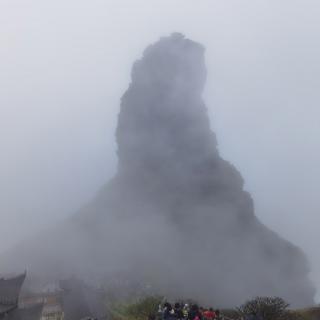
(64, 67)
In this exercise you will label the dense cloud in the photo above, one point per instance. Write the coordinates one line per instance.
(175, 215)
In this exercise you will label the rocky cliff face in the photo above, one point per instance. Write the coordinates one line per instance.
(175, 215)
(168, 157)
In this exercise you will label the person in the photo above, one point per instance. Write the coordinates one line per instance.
(219, 316)
(209, 314)
(194, 313)
(178, 311)
(160, 312)
(185, 311)
(254, 316)
(165, 308)
(168, 313)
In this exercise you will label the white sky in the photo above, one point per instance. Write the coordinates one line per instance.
(64, 65)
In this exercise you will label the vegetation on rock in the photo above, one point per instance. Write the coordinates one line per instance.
(138, 310)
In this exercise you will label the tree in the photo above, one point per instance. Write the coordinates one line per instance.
(269, 308)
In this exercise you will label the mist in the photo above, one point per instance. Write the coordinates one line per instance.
(65, 67)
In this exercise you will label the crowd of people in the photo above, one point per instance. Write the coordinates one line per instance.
(185, 312)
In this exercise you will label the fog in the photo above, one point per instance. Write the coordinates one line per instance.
(65, 66)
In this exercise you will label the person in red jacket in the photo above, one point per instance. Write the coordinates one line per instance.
(209, 314)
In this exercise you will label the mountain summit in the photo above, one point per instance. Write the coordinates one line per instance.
(175, 216)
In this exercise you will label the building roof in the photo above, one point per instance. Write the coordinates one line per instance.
(6, 308)
(31, 313)
(9, 294)
(10, 290)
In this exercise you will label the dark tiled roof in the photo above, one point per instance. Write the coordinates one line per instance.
(6, 308)
(10, 290)
(32, 313)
